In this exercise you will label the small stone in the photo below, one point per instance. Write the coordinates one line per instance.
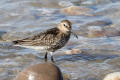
(73, 51)
(76, 10)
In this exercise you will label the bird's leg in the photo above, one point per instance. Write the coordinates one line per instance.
(45, 57)
(52, 59)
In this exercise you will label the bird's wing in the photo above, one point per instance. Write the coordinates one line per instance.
(43, 38)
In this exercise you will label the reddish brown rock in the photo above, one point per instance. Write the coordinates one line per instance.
(76, 10)
(43, 71)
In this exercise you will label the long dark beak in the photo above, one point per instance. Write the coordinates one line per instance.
(74, 34)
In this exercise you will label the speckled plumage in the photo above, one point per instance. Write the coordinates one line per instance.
(52, 39)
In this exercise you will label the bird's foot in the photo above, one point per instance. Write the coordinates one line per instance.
(52, 59)
(45, 57)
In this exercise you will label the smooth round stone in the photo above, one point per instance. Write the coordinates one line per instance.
(42, 71)
(112, 76)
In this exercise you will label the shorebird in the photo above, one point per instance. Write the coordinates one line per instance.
(49, 40)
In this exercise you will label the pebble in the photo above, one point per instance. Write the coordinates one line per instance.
(73, 51)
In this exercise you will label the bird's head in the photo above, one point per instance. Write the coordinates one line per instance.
(65, 26)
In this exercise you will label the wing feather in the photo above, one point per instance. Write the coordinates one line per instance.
(43, 38)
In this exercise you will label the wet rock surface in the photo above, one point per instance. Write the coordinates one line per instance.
(41, 71)
(90, 57)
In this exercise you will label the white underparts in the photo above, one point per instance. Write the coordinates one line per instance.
(51, 53)
(34, 47)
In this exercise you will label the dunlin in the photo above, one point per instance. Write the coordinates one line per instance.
(49, 40)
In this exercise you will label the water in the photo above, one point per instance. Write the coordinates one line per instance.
(90, 57)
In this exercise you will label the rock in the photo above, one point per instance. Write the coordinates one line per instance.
(112, 76)
(73, 51)
(112, 31)
(76, 10)
(98, 31)
(104, 32)
(43, 71)
(95, 24)
(95, 31)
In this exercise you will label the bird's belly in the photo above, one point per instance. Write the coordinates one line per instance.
(34, 47)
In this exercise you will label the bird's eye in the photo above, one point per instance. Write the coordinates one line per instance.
(64, 24)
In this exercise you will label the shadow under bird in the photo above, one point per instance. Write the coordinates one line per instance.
(49, 40)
